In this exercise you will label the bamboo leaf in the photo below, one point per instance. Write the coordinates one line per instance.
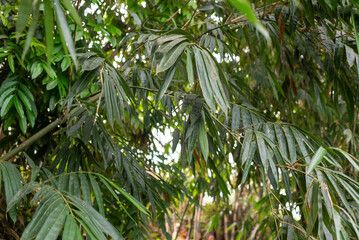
(21, 193)
(31, 31)
(134, 201)
(89, 214)
(168, 78)
(189, 67)
(317, 158)
(203, 79)
(171, 57)
(24, 13)
(10, 60)
(251, 152)
(262, 150)
(54, 222)
(85, 187)
(97, 192)
(68, 4)
(65, 30)
(246, 9)
(246, 146)
(203, 141)
(49, 30)
(71, 230)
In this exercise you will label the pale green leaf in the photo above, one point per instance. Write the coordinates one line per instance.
(317, 158)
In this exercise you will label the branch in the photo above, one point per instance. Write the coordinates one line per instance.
(31, 140)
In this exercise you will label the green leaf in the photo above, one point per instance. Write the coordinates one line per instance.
(49, 30)
(246, 147)
(54, 222)
(35, 169)
(171, 57)
(69, 5)
(36, 69)
(168, 78)
(215, 82)
(74, 185)
(88, 214)
(291, 143)
(248, 163)
(134, 201)
(27, 92)
(23, 16)
(10, 60)
(31, 31)
(22, 117)
(12, 183)
(30, 116)
(136, 18)
(21, 193)
(82, 82)
(6, 105)
(245, 7)
(262, 150)
(98, 195)
(92, 63)
(350, 158)
(115, 196)
(71, 230)
(189, 67)
(236, 117)
(317, 158)
(7, 84)
(219, 178)
(203, 79)
(337, 223)
(91, 228)
(281, 140)
(246, 119)
(5, 94)
(24, 99)
(85, 187)
(65, 63)
(203, 141)
(65, 30)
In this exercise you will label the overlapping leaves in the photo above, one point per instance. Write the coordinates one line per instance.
(282, 151)
(51, 9)
(166, 54)
(67, 202)
(14, 94)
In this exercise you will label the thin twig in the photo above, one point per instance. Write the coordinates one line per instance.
(181, 221)
(173, 15)
(185, 25)
(297, 228)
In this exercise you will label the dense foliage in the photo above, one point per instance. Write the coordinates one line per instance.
(120, 117)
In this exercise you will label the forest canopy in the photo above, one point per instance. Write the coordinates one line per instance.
(196, 119)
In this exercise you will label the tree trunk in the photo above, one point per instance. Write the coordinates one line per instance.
(226, 224)
(197, 220)
(235, 215)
